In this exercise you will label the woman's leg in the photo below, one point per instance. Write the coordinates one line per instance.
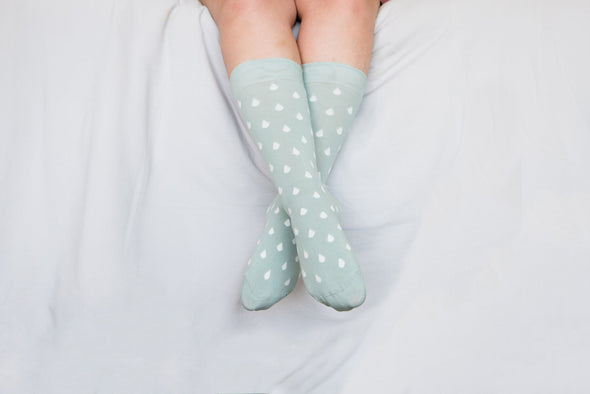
(262, 29)
(335, 43)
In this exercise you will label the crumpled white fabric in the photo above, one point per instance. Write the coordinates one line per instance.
(131, 198)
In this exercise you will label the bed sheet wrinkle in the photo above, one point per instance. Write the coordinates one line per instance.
(409, 29)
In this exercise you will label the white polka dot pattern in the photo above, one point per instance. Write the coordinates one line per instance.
(277, 122)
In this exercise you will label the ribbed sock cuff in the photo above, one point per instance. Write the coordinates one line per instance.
(330, 72)
(257, 71)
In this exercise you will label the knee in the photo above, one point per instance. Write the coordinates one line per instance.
(345, 9)
(236, 11)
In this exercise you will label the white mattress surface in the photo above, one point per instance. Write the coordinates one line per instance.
(131, 198)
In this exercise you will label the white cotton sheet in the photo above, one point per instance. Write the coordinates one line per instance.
(131, 197)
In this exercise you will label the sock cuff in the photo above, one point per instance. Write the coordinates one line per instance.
(330, 72)
(256, 71)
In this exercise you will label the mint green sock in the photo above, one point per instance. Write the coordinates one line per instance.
(334, 92)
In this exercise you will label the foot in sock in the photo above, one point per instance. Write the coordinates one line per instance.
(334, 92)
(273, 269)
(272, 100)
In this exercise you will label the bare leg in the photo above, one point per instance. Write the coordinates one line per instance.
(337, 31)
(254, 29)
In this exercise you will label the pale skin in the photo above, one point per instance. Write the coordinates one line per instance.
(338, 31)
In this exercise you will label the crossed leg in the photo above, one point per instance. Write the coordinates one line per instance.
(335, 43)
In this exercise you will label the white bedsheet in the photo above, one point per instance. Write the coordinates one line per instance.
(131, 198)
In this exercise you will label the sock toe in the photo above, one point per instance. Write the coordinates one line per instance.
(256, 301)
(348, 298)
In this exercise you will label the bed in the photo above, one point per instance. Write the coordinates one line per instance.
(131, 198)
